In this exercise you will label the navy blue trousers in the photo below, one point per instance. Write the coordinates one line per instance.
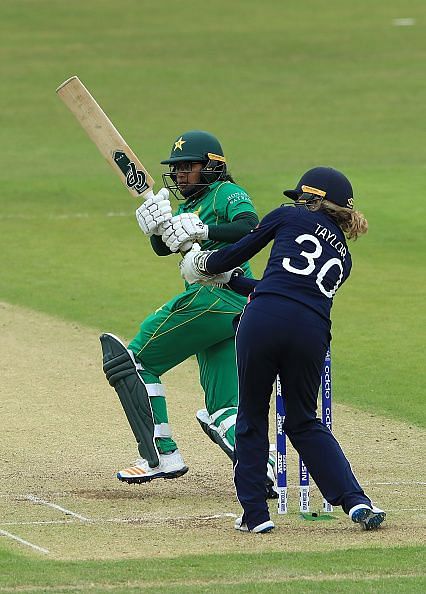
(279, 336)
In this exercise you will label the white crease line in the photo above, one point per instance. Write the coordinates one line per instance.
(379, 484)
(37, 522)
(404, 22)
(396, 484)
(405, 509)
(150, 520)
(24, 542)
(37, 500)
(146, 519)
(153, 520)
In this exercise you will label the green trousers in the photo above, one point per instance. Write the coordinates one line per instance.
(196, 322)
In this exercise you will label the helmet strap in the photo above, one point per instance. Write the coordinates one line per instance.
(307, 199)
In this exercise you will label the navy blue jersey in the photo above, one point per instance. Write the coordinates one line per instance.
(309, 258)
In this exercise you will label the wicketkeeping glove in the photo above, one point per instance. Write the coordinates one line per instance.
(184, 227)
(235, 275)
(193, 270)
(154, 214)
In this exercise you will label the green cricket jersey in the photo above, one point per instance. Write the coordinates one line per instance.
(197, 321)
(224, 201)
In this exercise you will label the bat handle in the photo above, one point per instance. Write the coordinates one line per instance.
(187, 246)
(148, 194)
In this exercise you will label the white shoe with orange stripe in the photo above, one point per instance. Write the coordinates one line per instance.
(171, 466)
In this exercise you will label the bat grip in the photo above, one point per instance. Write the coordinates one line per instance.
(186, 247)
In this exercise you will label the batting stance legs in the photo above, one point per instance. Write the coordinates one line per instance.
(269, 344)
(198, 321)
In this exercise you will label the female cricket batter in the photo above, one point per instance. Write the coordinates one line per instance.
(285, 330)
(215, 212)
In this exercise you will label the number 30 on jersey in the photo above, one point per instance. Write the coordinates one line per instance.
(311, 264)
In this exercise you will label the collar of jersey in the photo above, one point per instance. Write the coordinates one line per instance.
(191, 202)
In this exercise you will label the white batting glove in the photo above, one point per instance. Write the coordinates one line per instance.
(194, 226)
(193, 270)
(154, 214)
(183, 228)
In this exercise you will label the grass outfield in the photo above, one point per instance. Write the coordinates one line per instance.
(285, 86)
(366, 571)
(282, 96)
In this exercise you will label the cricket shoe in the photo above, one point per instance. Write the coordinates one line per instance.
(171, 466)
(370, 518)
(259, 529)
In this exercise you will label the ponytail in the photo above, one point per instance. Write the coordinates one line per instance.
(352, 222)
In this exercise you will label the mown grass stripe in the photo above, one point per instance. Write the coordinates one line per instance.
(17, 570)
(379, 583)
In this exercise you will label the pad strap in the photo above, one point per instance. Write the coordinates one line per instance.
(214, 433)
(162, 430)
(214, 416)
(155, 390)
(226, 424)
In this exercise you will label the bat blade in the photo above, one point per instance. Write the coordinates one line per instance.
(105, 135)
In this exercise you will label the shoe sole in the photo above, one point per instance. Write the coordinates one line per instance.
(368, 518)
(138, 480)
(265, 530)
(244, 528)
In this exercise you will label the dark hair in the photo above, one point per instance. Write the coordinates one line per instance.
(228, 177)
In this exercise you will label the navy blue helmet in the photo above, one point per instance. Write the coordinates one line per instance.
(326, 183)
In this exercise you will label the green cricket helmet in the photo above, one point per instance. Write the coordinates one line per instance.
(196, 146)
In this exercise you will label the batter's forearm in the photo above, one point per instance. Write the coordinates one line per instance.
(234, 255)
(235, 230)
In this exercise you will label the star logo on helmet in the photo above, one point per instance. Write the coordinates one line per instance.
(179, 143)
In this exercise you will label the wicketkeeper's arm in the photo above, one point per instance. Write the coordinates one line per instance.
(234, 255)
(241, 284)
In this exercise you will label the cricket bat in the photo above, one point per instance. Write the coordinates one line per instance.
(108, 139)
(105, 135)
